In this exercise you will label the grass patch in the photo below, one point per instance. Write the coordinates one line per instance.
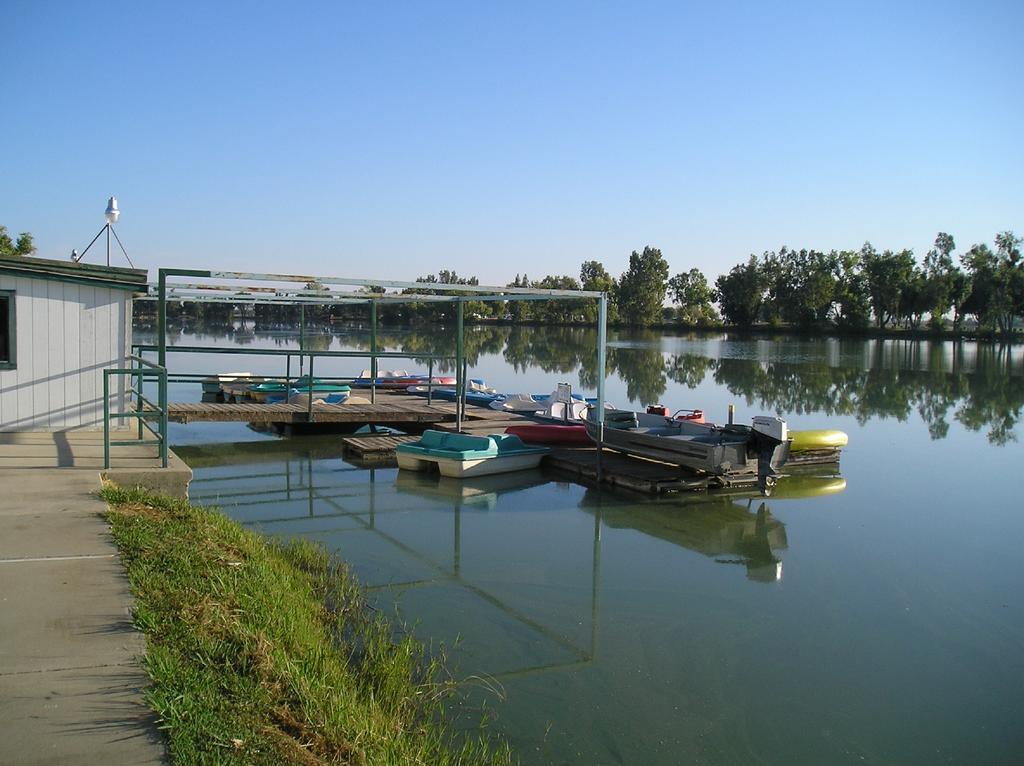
(267, 653)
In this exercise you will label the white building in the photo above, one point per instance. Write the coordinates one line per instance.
(61, 325)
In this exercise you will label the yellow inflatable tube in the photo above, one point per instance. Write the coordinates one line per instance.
(804, 441)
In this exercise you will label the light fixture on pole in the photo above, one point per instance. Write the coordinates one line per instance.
(111, 214)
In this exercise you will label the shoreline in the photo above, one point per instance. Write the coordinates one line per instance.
(263, 651)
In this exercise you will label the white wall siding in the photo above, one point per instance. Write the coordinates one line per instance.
(67, 335)
(72, 352)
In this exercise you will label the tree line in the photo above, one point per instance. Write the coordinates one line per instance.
(976, 386)
(808, 289)
(858, 288)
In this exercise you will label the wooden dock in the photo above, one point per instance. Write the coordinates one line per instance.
(399, 410)
(381, 413)
(628, 472)
(380, 446)
(413, 414)
(617, 470)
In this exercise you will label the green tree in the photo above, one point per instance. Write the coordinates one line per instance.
(518, 311)
(594, 277)
(557, 311)
(997, 283)
(800, 285)
(741, 293)
(812, 283)
(888, 275)
(939, 278)
(959, 284)
(443, 311)
(23, 246)
(852, 298)
(641, 289)
(981, 263)
(690, 289)
(916, 299)
(1010, 275)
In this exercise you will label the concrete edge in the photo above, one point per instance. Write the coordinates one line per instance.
(172, 480)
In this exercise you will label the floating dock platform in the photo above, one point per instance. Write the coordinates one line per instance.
(580, 464)
(398, 410)
(408, 413)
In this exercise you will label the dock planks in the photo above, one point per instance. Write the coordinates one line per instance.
(373, 445)
(386, 412)
(413, 413)
(624, 471)
(390, 408)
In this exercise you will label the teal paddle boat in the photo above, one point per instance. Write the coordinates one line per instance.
(462, 456)
(280, 388)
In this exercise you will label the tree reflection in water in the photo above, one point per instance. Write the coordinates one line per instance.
(983, 392)
(980, 386)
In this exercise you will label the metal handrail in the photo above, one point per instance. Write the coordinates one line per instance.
(145, 409)
(246, 350)
(303, 354)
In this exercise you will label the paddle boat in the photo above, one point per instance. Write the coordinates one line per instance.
(725, 452)
(238, 391)
(398, 379)
(564, 435)
(461, 455)
(529, 403)
(477, 392)
(301, 398)
(279, 389)
(213, 384)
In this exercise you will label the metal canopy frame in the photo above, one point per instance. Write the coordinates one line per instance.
(224, 293)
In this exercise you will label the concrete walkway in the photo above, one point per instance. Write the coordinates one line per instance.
(70, 680)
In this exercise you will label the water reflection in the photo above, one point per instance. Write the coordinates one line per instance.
(722, 526)
(291, 484)
(890, 380)
(977, 385)
(628, 630)
(282, 489)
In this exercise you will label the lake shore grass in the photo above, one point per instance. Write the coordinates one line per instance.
(267, 653)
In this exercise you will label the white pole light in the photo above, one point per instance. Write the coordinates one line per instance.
(112, 212)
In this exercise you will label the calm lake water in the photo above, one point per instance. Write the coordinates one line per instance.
(870, 616)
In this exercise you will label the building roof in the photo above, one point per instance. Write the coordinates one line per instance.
(112, 277)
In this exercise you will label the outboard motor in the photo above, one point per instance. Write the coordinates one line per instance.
(767, 434)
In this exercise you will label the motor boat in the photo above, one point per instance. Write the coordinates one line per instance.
(727, 452)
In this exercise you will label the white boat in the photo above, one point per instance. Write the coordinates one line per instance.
(565, 412)
(213, 384)
(516, 402)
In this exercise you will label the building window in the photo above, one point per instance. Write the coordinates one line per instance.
(7, 333)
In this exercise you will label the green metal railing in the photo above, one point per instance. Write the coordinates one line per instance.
(411, 292)
(145, 409)
(306, 359)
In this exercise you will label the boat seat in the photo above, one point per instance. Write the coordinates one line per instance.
(443, 444)
(508, 443)
(622, 420)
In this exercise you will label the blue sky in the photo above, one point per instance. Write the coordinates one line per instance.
(392, 140)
